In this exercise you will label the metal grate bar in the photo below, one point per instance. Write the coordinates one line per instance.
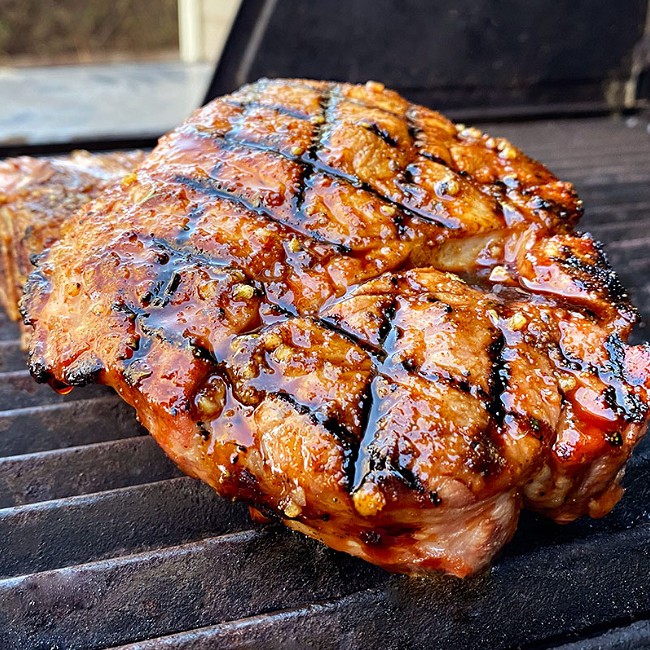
(47, 475)
(66, 424)
(524, 599)
(11, 356)
(176, 588)
(63, 532)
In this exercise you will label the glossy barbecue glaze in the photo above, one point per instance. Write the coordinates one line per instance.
(357, 317)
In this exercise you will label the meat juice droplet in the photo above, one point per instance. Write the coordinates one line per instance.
(61, 388)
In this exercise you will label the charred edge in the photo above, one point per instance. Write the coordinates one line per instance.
(499, 378)
(39, 371)
(598, 276)
(83, 373)
(267, 511)
(569, 217)
(35, 286)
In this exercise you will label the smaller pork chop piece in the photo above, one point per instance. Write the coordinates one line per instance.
(36, 196)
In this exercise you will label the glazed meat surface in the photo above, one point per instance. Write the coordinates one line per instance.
(36, 196)
(361, 319)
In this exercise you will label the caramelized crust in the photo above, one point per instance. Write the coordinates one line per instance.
(361, 319)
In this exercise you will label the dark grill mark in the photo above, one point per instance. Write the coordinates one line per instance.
(361, 463)
(615, 439)
(190, 255)
(387, 322)
(407, 476)
(617, 394)
(276, 108)
(312, 152)
(333, 426)
(169, 286)
(333, 325)
(201, 352)
(382, 134)
(210, 187)
(499, 378)
(317, 165)
(432, 158)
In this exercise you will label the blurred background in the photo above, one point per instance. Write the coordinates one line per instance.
(78, 69)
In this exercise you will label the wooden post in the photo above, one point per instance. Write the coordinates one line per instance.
(203, 27)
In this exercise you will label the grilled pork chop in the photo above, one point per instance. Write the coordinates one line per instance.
(359, 318)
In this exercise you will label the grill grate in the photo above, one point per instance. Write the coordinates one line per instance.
(103, 542)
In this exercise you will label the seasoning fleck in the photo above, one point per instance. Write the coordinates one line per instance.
(243, 291)
(517, 321)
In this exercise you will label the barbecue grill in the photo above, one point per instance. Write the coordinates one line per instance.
(103, 542)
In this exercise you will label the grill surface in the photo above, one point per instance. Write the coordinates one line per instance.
(103, 543)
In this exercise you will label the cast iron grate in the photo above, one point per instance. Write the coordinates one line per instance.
(104, 543)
